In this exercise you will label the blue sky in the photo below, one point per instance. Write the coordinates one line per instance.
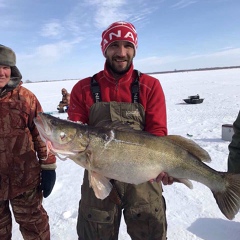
(57, 40)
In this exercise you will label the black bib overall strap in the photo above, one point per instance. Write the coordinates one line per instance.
(135, 88)
(95, 89)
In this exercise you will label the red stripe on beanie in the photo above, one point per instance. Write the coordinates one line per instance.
(119, 31)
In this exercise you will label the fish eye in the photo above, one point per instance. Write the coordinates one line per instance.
(62, 135)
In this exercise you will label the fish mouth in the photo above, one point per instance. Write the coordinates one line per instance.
(43, 127)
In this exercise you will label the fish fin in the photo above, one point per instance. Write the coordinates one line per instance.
(185, 181)
(229, 200)
(100, 185)
(190, 146)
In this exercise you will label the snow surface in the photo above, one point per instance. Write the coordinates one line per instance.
(191, 214)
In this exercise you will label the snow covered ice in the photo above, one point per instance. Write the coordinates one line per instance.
(191, 214)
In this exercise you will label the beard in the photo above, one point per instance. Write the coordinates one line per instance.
(116, 67)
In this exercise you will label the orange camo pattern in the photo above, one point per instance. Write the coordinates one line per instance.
(20, 144)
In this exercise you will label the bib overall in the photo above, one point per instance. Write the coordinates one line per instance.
(143, 205)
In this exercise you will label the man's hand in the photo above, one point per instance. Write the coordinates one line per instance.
(164, 178)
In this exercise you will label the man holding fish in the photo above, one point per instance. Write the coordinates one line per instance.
(120, 93)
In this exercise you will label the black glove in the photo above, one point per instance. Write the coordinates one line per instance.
(48, 181)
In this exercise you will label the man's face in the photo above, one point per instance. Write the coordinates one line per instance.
(119, 56)
(5, 73)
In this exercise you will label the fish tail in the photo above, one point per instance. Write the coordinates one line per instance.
(228, 200)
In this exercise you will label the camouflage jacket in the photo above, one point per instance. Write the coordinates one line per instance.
(22, 153)
(234, 148)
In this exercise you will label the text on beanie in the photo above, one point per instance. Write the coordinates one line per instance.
(119, 31)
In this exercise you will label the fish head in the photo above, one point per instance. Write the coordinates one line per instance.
(62, 136)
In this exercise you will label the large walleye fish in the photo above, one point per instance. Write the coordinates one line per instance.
(116, 152)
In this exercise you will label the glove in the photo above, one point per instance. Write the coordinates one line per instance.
(48, 181)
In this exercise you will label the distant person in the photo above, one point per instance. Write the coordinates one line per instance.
(234, 148)
(27, 173)
(63, 104)
(121, 93)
